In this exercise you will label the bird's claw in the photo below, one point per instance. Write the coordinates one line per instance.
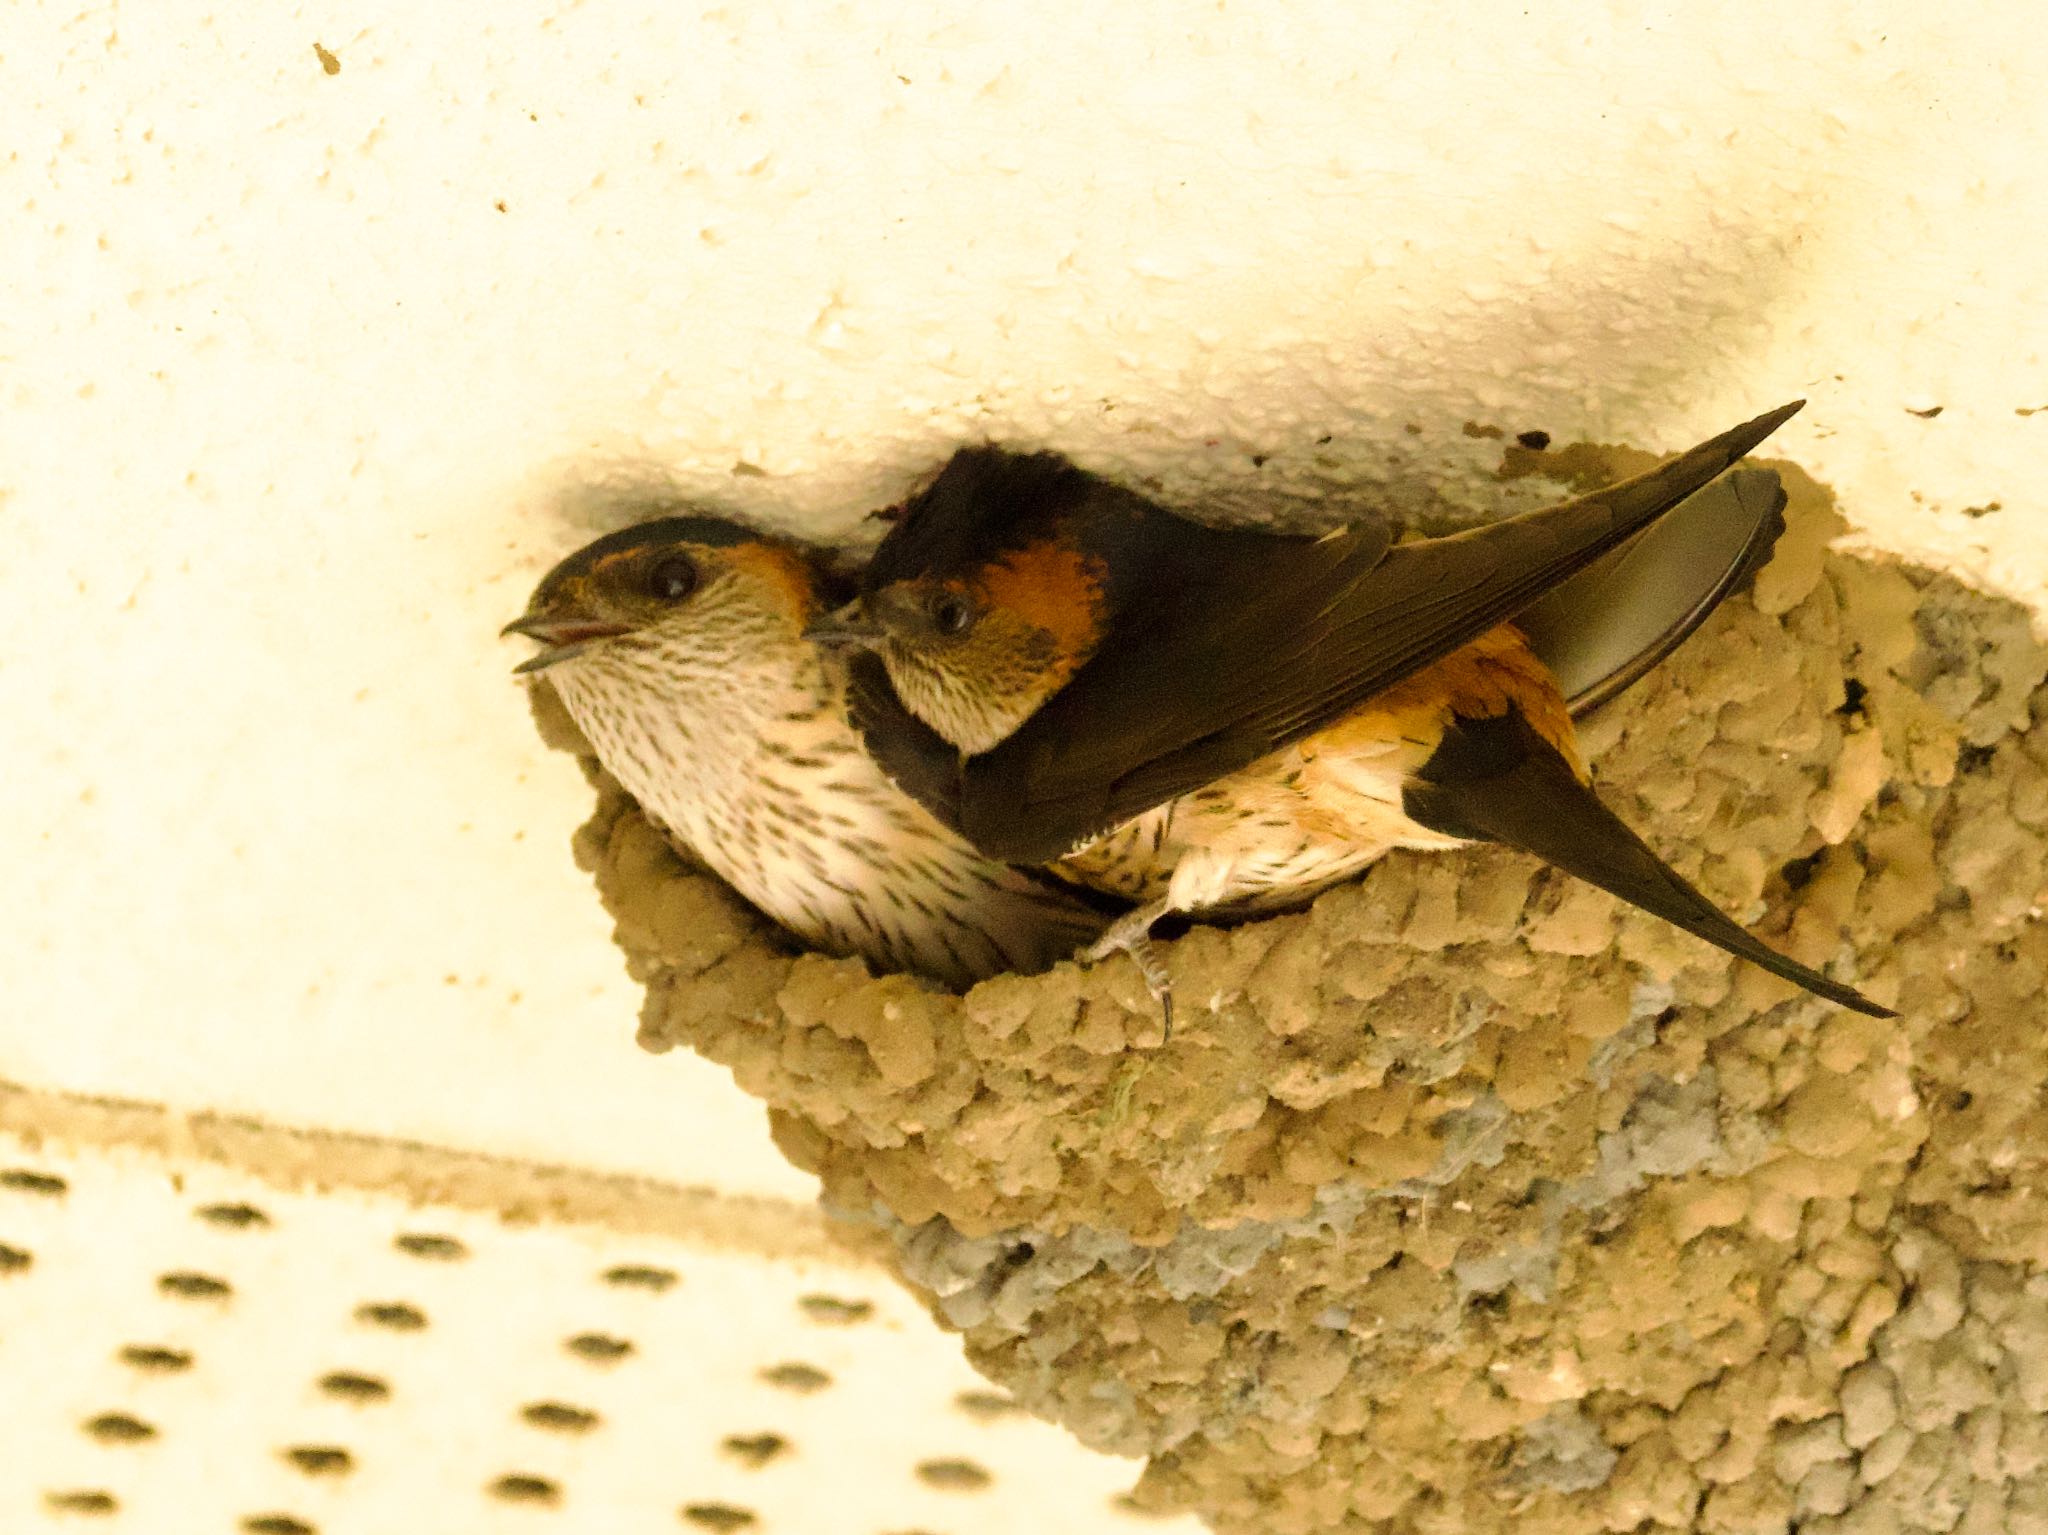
(1132, 935)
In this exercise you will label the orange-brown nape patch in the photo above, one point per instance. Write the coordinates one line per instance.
(1479, 682)
(1053, 587)
(785, 572)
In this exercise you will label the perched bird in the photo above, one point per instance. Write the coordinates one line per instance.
(1205, 719)
(678, 646)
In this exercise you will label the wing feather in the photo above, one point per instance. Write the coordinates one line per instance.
(1616, 619)
(1301, 633)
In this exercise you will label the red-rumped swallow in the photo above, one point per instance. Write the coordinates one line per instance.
(1208, 719)
(678, 647)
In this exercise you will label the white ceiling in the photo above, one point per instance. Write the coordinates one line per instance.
(308, 376)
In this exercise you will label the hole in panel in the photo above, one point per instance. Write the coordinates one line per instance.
(794, 1375)
(154, 1358)
(559, 1417)
(424, 1244)
(396, 1315)
(719, 1516)
(344, 1385)
(953, 1474)
(835, 1310)
(118, 1428)
(640, 1276)
(27, 1181)
(81, 1500)
(319, 1459)
(987, 1406)
(189, 1286)
(517, 1487)
(598, 1348)
(234, 1217)
(755, 1450)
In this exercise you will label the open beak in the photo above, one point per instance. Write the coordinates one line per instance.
(849, 628)
(562, 635)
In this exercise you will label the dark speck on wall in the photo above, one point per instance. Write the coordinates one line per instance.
(329, 64)
(1535, 442)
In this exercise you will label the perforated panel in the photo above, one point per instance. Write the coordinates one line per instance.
(185, 1348)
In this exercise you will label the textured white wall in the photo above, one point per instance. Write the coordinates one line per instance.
(308, 375)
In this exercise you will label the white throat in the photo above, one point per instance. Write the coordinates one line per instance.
(734, 738)
(688, 736)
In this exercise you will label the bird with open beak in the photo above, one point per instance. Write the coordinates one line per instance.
(1204, 719)
(678, 647)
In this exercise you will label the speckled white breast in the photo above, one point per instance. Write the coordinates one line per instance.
(753, 766)
(1270, 836)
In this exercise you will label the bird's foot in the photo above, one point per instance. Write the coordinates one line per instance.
(1132, 934)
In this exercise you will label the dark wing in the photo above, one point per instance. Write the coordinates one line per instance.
(1301, 635)
(1497, 780)
(912, 755)
(926, 766)
(1609, 624)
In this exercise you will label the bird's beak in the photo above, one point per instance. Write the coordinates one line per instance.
(849, 628)
(561, 634)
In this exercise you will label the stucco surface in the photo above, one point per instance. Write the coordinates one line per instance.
(327, 328)
(308, 375)
(1464, 1201)
(402, 1354)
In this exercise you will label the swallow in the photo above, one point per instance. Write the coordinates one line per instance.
(678, 647)
(1214, 720)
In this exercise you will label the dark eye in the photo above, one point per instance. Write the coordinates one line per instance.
(674, 578)
(950, 613)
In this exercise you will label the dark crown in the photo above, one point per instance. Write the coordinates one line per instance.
(985, 502)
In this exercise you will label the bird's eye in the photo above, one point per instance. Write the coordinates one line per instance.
(674, 578)
(950, 613)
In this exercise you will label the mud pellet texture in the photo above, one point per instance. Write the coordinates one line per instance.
(1468, 1200)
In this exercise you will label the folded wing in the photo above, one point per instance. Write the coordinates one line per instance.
(1301, 632)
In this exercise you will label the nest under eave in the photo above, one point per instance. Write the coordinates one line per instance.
(1469, 1200)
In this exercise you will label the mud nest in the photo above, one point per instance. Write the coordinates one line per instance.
(1468, 1199)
